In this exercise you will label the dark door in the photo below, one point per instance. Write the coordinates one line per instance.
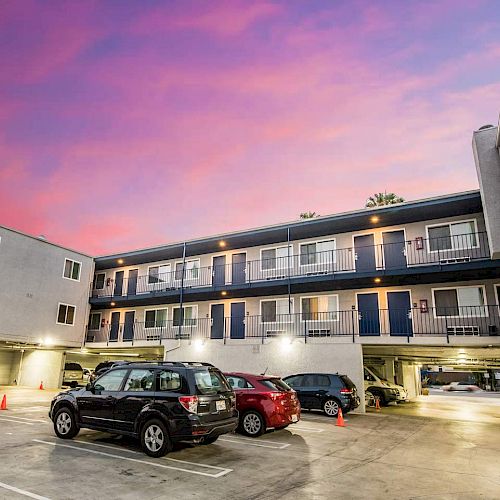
(364, 253)
(237, 320)
(115, 326)
(219, 271)
(400, 313)
(394, 250)
(217, 315)
(368, 314)
(118, 283)
(239, 268)
(132, 282)
(128, 326)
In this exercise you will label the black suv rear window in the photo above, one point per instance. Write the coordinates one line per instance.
(73, 366)
(276, 384)
(210, 381)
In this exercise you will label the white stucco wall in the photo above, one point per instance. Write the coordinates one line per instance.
(42, 366)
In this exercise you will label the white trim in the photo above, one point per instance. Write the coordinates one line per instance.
(387, 292)
(451, 236)
(79, 269)
(155, 309)
(458, 303)
(275, 300)
(57, 316)
(159, 283)
(100, 320)
(320, 312)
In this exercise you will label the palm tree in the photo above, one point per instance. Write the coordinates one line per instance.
(381, 199)
(308, 215)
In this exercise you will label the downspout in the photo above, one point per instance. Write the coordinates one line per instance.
(288, 270)
(181, 295)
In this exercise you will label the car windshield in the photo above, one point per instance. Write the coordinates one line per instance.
(377, 374)
(276, 384)
(210, 381)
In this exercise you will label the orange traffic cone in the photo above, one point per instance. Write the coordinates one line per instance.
(340, 419)
(377, 403)
(3, 406)
(41, 385)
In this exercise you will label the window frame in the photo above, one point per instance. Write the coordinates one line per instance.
(66, 259)
(66, 315)
(158, 381)
(277, 321)
(289, 257)
(103, 281)
(184, 270)
(316, 242)
(195, 323)
(320, 312)
(456, 288)
(159, 282)
(449, 224)
(155, 310)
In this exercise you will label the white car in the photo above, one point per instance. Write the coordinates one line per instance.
(460, 386)
(386, 391)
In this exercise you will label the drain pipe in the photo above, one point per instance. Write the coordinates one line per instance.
(166, 351)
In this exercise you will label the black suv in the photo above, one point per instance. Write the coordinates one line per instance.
(324, 391)
(158, 402)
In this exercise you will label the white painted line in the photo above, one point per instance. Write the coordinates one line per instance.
(195, 463)
(32, 409)
(28, 419)
(3, 419)
(259, 444)
(222, 472)
(22, 492)
(252, 440)
(106, 446)
(308, 429)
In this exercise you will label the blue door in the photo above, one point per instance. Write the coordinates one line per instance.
(237, 320)
(132, 282)
(217, 315)
(239, 268)
(368, 314)
(400, 313)
(115, 326)
(118, 283)
(364, 253)
(128, 326)
(394, 250)
(219, 271)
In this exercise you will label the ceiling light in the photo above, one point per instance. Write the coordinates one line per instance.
(120, 261)
(374, 219)
(222, 244)
(224, 293)
(377, 280)
(113, 304)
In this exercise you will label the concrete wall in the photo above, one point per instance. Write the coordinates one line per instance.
(276, 358)
(32, 286)
(8, 364)
(487, 157)
(411, 379)
(42, 366)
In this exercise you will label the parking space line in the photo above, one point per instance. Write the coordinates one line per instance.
(15, 421)
(308, 429)
(117, 448)
(28, 419)
(31, 409)
(223, 471)
(261, 444)
(22, 492)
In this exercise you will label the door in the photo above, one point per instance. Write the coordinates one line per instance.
(368, 314)
(219, 271)
(394, 250)
(132, 282)
(115, 326)
(217, 315)
(97, 406)
(400, 320)
(237, 320)
(364, 253)
(239, 268)
(128, 326)
(118, 283)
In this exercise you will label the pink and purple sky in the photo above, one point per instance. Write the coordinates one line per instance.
(125, 124)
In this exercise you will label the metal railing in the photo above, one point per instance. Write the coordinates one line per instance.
(441, 321)
(380, 258)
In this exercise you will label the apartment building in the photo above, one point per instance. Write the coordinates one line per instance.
(43, 307)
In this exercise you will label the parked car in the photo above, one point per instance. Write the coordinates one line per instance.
(460, 386)
(369, 399)
(159, 403)
(73, 375)
(381, 388)
(104, 367)
(263, 402)
(324, 391)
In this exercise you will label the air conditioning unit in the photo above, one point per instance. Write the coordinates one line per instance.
(455, 260)
(275, 333)
(319, 332)
(463, 330)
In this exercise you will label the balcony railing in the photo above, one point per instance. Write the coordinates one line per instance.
(374, 258)
(442, 321)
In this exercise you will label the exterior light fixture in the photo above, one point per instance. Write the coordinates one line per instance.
(374, 219)
(377, 280)
(120, 261)
(222, 244)
(113, 304)
(199, 344)
(223, 293)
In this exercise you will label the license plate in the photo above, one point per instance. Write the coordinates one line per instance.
(295, 418)
(220, 405)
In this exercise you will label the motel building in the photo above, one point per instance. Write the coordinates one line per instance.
(395, 287)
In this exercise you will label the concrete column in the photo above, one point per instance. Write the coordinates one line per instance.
(42, 366)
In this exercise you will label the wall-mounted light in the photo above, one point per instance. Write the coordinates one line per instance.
(374, 219)
(120, 261)
(378, 280)
(222, 244)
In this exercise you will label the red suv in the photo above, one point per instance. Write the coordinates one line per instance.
(263, 402)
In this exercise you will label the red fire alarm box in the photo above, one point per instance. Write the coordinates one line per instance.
(419, 243)
(423, 306)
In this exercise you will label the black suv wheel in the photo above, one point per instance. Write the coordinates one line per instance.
(154, 438)
(65, 425)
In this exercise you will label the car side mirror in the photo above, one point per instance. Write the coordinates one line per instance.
(89, 387)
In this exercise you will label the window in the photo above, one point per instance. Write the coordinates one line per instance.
(99, 281)
(139, 380)
(453, 236)
(66, 314)
(155, 318)
(323, 380)
(210, 381)
(275, 384)
(466, 301)
(169, 381)
(275, 310)
(95, 321)
(72, 270)
(110, 381)
(158, 274)
(192, 270)
(294, 381)
(239, 382)
(190, 316)
(324, 307)
(275, 258)
(320, 252)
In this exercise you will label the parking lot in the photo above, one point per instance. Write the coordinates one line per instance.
(386, 454)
